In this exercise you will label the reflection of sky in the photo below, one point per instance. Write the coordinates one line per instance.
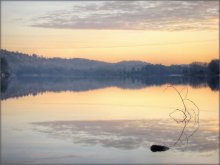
(131, 134)
(119, 124)
(107, 104)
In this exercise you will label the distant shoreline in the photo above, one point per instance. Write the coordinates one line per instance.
(20, 64)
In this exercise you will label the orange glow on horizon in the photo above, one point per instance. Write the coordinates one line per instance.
(117, 45)
(183, 43)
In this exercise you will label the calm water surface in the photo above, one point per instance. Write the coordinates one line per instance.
(110, 125)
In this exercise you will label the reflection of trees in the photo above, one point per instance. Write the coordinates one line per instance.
(213, 83)
(189, 116)
(22, 86)
(4, 84)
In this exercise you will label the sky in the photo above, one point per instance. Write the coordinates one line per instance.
(166, 32)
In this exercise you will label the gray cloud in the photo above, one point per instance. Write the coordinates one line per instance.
(132, 134)
(134, 15)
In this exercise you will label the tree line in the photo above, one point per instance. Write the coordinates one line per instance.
(20, 64)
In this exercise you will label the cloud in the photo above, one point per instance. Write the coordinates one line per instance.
(132, 134)
(134, 15)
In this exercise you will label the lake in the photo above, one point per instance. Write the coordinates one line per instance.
(99, 122)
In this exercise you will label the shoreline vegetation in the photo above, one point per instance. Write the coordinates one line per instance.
(19, 64)
(34, 74)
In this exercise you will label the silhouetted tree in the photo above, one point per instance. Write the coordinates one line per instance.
(213, 67)
(4, 67)
(197, 68)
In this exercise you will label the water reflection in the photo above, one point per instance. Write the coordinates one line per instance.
(213, 83)
(190, 114)
(23, 86)
(129, 134)
(121, 124)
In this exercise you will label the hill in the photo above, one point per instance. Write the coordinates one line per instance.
(24, 64)
(19, 64)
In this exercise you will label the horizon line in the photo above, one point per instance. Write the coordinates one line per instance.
(72, 58)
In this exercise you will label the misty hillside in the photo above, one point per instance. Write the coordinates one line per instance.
(20, 63)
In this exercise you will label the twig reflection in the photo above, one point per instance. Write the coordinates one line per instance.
(190, 115)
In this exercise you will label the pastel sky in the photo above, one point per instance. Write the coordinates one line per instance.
(167, 32)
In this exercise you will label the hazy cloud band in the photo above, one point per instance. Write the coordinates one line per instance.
(134, 15)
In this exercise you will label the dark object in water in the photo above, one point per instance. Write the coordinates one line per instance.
(159, 148)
